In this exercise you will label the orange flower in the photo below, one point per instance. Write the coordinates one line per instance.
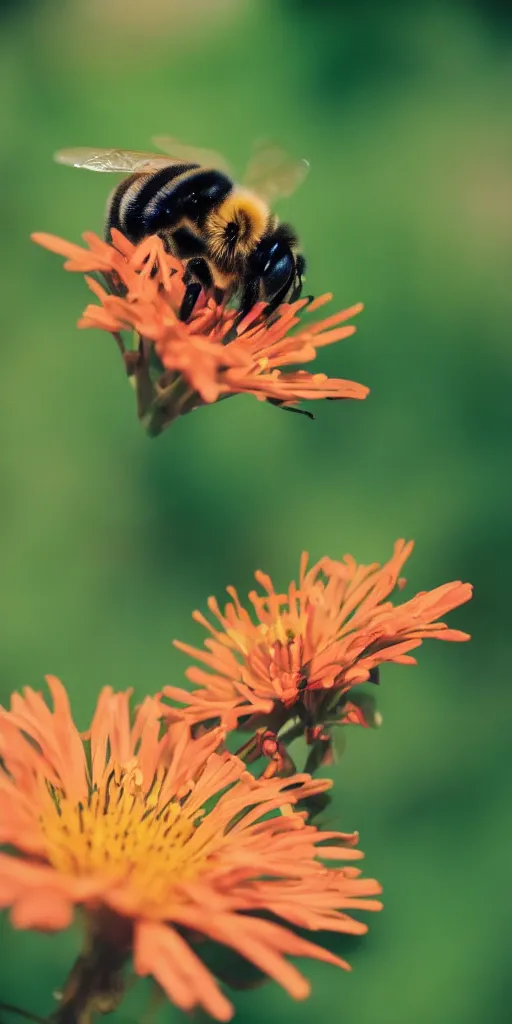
(310, 647)
(210, 357)
(162, 841)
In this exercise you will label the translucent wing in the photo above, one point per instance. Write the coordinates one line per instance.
(272, 173)
(190, 154)
(113, 161)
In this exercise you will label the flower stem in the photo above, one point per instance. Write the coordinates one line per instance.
(95, 983)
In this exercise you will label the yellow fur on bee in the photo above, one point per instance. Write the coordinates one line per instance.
(245, 208)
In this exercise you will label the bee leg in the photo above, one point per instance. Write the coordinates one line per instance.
(285, 294)
(296, 292)
(250, 296)
(198, 269)
(190, 298)
(197, 277)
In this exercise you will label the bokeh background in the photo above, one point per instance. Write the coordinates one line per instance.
(109, 540)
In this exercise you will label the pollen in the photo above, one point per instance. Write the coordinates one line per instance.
(124, 835)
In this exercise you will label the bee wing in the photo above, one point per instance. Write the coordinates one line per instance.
(272, 173)
(190, 154)
(113, 161)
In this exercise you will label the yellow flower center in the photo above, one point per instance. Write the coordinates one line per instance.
(285, 630)
(279, 632)
(125, 835)
(285, 640)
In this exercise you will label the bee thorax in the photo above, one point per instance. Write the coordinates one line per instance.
(235, 227)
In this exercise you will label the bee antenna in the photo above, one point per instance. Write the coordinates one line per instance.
(289, 408)
(9, 1008)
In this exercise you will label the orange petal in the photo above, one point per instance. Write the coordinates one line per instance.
(161, 952)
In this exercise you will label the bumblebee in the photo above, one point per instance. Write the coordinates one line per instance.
(225, 233)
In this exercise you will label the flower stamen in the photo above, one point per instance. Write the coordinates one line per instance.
(122, 833)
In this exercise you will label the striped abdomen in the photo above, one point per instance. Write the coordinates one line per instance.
(175, 199)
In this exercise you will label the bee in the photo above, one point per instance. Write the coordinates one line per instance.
(225, 233)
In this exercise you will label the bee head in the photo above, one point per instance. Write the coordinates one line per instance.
(275, 271)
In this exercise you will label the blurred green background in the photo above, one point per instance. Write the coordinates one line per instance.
(109, 540)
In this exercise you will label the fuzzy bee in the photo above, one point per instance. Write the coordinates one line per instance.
(225, 233)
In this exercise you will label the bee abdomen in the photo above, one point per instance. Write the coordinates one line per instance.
(164, 199)
(112, 216)
(144, 192)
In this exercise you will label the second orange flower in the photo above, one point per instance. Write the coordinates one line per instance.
(308, 649)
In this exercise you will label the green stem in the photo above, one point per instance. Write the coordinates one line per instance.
(168, 403)
(293, 733)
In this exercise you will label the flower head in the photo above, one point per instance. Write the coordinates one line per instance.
(162, 841)
(176, 366)
(309, 647)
